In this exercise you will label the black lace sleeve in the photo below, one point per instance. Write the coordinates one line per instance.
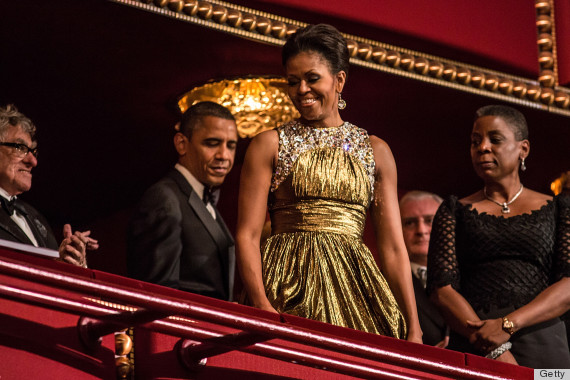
(561, 263)
(442, 260)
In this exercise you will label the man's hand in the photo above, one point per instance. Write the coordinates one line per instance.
(73, 247)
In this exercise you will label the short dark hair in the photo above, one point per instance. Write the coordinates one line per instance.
(194, 115)
(11, 117)
(323, 39)
(512, 117)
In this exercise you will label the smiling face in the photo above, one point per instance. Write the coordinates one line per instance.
(495, 152)
(314, 90)
(417, 216)
(209, 153)
(15, 169)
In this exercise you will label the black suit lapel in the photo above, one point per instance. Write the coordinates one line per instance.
(38, 229)
(215, 227)
(418, 287)
(224, 227)
(427, 307)
(219, 231)
(8, 225)
(230, 258)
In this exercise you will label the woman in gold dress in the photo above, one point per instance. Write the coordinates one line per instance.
(320, 175)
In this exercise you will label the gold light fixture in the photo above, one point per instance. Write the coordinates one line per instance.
(258, 103)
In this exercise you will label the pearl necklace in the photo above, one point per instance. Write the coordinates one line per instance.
(505, 205)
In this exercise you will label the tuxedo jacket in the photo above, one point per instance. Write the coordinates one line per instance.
(173, 240)
(432, 323)
(9, 230)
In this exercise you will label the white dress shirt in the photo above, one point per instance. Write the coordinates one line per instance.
(416, 269)
(19, 219)
(197, 186)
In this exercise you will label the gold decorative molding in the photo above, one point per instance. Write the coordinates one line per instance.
(124, 347)
(124, 340)
(551, 93)
(546, 42)
(124, 354)
(541, 93)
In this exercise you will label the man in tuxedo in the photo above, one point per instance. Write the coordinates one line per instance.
(176, 236)
(19, 221)
(417, 209)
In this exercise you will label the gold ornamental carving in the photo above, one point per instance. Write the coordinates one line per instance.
(546, 42)
(273, 29)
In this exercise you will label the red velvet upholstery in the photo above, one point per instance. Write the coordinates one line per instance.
(504, 31)
(562, 16)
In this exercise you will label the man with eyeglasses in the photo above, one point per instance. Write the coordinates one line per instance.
(19, 221)
(176, 237)
(417, 209)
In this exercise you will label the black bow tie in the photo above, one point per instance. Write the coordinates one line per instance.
(8, 205)
(210, 195)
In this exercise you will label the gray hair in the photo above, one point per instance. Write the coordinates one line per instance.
(415, 195)
(10, 117)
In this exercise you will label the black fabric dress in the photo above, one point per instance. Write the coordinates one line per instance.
(500, 264)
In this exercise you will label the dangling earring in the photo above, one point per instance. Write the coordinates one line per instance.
(523, 166)
(341, 102)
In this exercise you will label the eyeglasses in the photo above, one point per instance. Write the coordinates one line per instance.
(21, 149)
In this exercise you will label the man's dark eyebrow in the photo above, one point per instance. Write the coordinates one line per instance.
(218, 140)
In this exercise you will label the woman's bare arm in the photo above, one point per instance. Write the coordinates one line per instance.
(252, 209)
(394, 261)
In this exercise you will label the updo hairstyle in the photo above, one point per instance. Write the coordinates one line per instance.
(323, 39)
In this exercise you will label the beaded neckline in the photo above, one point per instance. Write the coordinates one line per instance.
(301, 125)
(296, 138)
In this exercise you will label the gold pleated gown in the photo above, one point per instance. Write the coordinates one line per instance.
(315, 264)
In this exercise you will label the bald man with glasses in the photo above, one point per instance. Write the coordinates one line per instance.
(19, 221)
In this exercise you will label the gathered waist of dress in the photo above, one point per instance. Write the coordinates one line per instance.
(318, 215)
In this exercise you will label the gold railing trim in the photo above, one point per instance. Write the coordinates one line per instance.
(453, 85)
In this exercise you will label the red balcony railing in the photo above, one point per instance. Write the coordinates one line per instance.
(58, 319)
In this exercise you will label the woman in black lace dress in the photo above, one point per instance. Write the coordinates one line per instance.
(499, 259)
